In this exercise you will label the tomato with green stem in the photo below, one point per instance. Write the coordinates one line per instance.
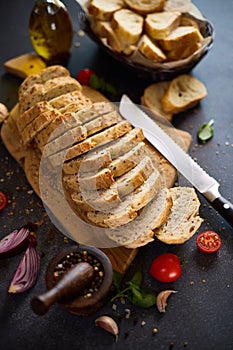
(84, 76)
(208, 241)
(166, 268)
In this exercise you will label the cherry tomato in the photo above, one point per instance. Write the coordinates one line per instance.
(3, 200)
(84, 76)
(166, 268)
(208, 241)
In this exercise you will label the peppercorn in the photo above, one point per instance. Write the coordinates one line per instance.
(74, 258)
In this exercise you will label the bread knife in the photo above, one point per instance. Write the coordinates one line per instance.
(190, 169)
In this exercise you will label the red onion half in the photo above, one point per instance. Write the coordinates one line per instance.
(27, 271)
(14, 243)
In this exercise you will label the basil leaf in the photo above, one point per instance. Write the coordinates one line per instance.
(117, 279)
(142, 298)
(206, 131)
(137, 279)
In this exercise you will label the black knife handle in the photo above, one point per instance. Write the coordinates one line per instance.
(225, 208)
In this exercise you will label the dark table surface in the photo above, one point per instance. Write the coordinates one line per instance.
(200, 315)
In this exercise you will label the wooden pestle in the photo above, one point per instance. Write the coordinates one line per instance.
(72, 282)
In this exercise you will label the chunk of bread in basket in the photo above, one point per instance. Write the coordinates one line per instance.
(112, 177)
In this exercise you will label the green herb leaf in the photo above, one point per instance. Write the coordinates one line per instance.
(117, 279)
(98, 83)
(134, 291)
(142, 298)
(137, 278)
(206, 131)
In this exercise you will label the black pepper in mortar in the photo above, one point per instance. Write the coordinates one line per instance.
(74, 258)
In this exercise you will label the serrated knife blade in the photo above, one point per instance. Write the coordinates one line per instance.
(189, 168)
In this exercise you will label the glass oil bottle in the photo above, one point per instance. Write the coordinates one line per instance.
(51, 31)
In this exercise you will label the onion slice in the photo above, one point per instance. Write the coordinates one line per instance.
(27, 271)
(14, 243)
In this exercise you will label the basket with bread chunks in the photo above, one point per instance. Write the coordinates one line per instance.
(148, 34)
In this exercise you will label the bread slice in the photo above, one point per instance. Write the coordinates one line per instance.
(150, 50)
(183, 36)
(105, 154)
(128, 26)
(28, 116)
(64, 141)
(45, 92)
(46, 74)
(30, 131)
(134, 178)
(152, 98)
(104, 9)
(160, 24)
(125, 143)
(183, 92)
(144, 7)
(102, 122)
(183, 220)
(127, 210)
(139, 232)
(128, 160)
(92, 142)
(65, 99)
(90, 182)
(103, 200)
(93, 161)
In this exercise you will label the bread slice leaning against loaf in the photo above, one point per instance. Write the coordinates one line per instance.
(183, 92)
(183, 220)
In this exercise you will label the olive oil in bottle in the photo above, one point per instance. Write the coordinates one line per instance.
(51, 31)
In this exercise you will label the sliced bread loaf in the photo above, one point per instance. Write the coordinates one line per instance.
(183, 220)
(183, 92)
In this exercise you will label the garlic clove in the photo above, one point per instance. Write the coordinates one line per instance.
(108, 324)
(3, 112)
(162, 297)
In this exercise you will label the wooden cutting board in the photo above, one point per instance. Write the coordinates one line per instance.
(120, 257)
